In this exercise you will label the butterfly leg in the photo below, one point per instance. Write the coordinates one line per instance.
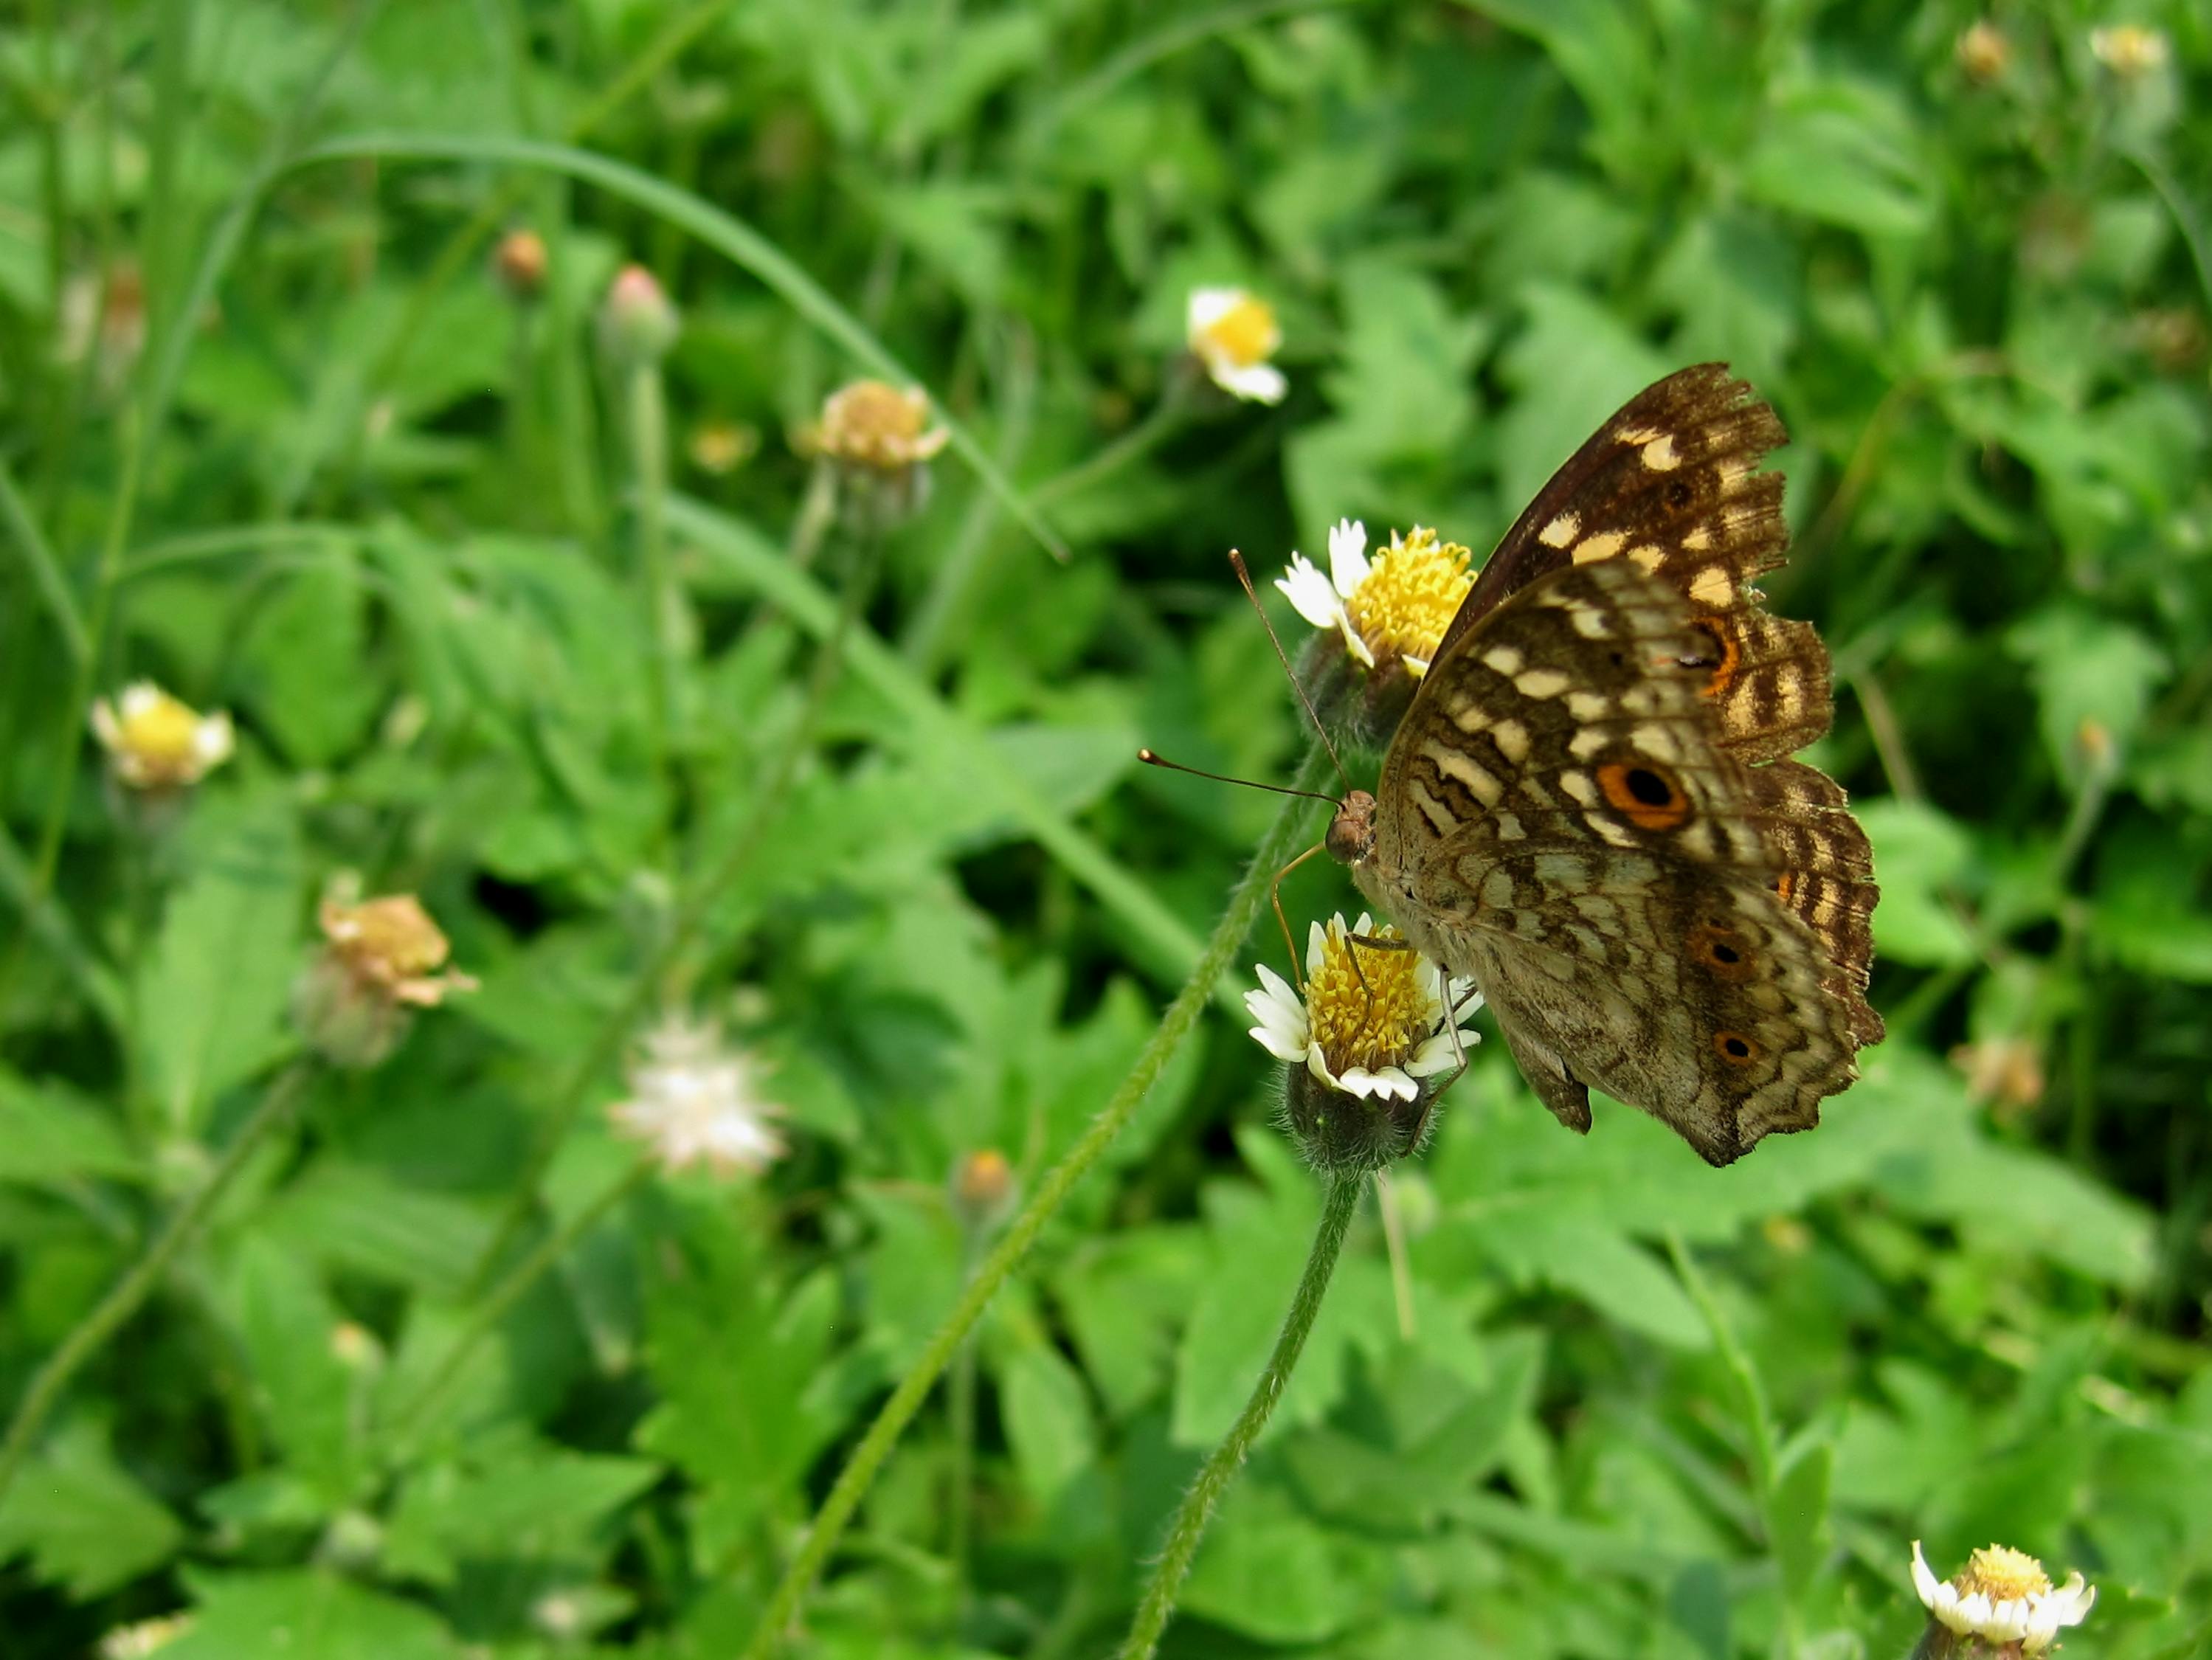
(1458, 1070)
(1275, 899)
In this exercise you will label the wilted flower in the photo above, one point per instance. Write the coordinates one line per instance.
(2129, 50)
(1234, 335)
(2007, 1070)
(879, 438)
(875, 425)
(519, 263)
(695, 1101)
(135, 1642)
(1363, 1039)
(982, 1186)
(381, 959)
(103, 316)
(1983, 52)
(2001, 1605)
(637, 325)
(154, 742)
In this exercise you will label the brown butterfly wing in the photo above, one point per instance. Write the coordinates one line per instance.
(1559, 818)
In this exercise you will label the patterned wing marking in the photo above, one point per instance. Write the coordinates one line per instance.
(1671, 484)
(1559, 817)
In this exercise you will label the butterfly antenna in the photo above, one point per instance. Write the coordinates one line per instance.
(1153, 758)
(1236, 560)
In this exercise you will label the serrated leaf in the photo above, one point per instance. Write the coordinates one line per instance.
(1919, 853)
(306, 1613)
(1047, 1418)
(212, 990)
(523, 1502)
(87, 1524)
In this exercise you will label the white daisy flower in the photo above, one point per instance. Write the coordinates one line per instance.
(156, 742)
(2002, 1597)
(1391, 609)
(694, 1101)
(1374, 1030)
(1234, 335)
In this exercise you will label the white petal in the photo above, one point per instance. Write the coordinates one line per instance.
(104, 726)
(1207, 307)
(139, 696)
(1435, 1056)
(1256, 383)
(1925, 1584)
(1416, 666)
(1358, 646)
(1317, 943)
(1318, 1064)
(2008, 1620)
(213, 740)
(1347, 555)
(1310, 595)
(1971, 1614)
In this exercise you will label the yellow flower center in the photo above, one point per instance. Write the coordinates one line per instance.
(163, 731)
(1245, 334)
(1366, 1004)
(2002, 1574)
(1412, 592)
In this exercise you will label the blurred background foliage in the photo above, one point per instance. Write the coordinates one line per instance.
(297, 453)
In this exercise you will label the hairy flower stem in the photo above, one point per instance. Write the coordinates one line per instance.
(1340, 1199)
(129, 1292)
(852, 1481)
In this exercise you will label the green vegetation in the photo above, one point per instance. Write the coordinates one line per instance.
(346, 1326)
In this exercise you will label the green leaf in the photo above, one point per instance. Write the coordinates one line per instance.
(1048, 1420)
(213, 989)
(511, 1502)
(2087, 670)
(1918, 853)
(306, 1613)
(1798, 1512)
(1574, 364)
(88, 1525)
(1269, 1573)
(50, 1135)
(1842, 153)
(316, 1404)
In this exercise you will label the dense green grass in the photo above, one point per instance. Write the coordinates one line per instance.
(652, 726)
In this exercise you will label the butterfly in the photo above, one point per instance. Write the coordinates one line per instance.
(1589, 806)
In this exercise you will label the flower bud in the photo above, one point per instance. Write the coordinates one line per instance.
(519, 263)
(637, 323)
(982, 1187)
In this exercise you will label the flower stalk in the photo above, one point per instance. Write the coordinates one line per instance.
(860, 1472)
(1340, 1199)
(130, 1292)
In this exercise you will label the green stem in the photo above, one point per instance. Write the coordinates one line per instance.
(45, 568)
(854, 1480)
(493, 1307)
(132, 1290)
(1140, 440)
(648, 455)
(1340, 1199)
(960, 1409)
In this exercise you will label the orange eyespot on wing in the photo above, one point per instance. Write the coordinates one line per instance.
(1650, 796)
(1724, 952)
(1735, 1049)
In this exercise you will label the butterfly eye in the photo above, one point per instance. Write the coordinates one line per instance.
(1735, 1049)
(1648, 794)
(1722, 951)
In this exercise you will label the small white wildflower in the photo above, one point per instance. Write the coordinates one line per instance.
(694, 1101)
(156, 742)
(2001, 1597)
(1371, 1030)
(1234, 335)
(1392, 610)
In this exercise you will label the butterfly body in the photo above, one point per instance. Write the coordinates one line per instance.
(1586, 811)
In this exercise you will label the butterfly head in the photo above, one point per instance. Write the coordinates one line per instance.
(1351, 836)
